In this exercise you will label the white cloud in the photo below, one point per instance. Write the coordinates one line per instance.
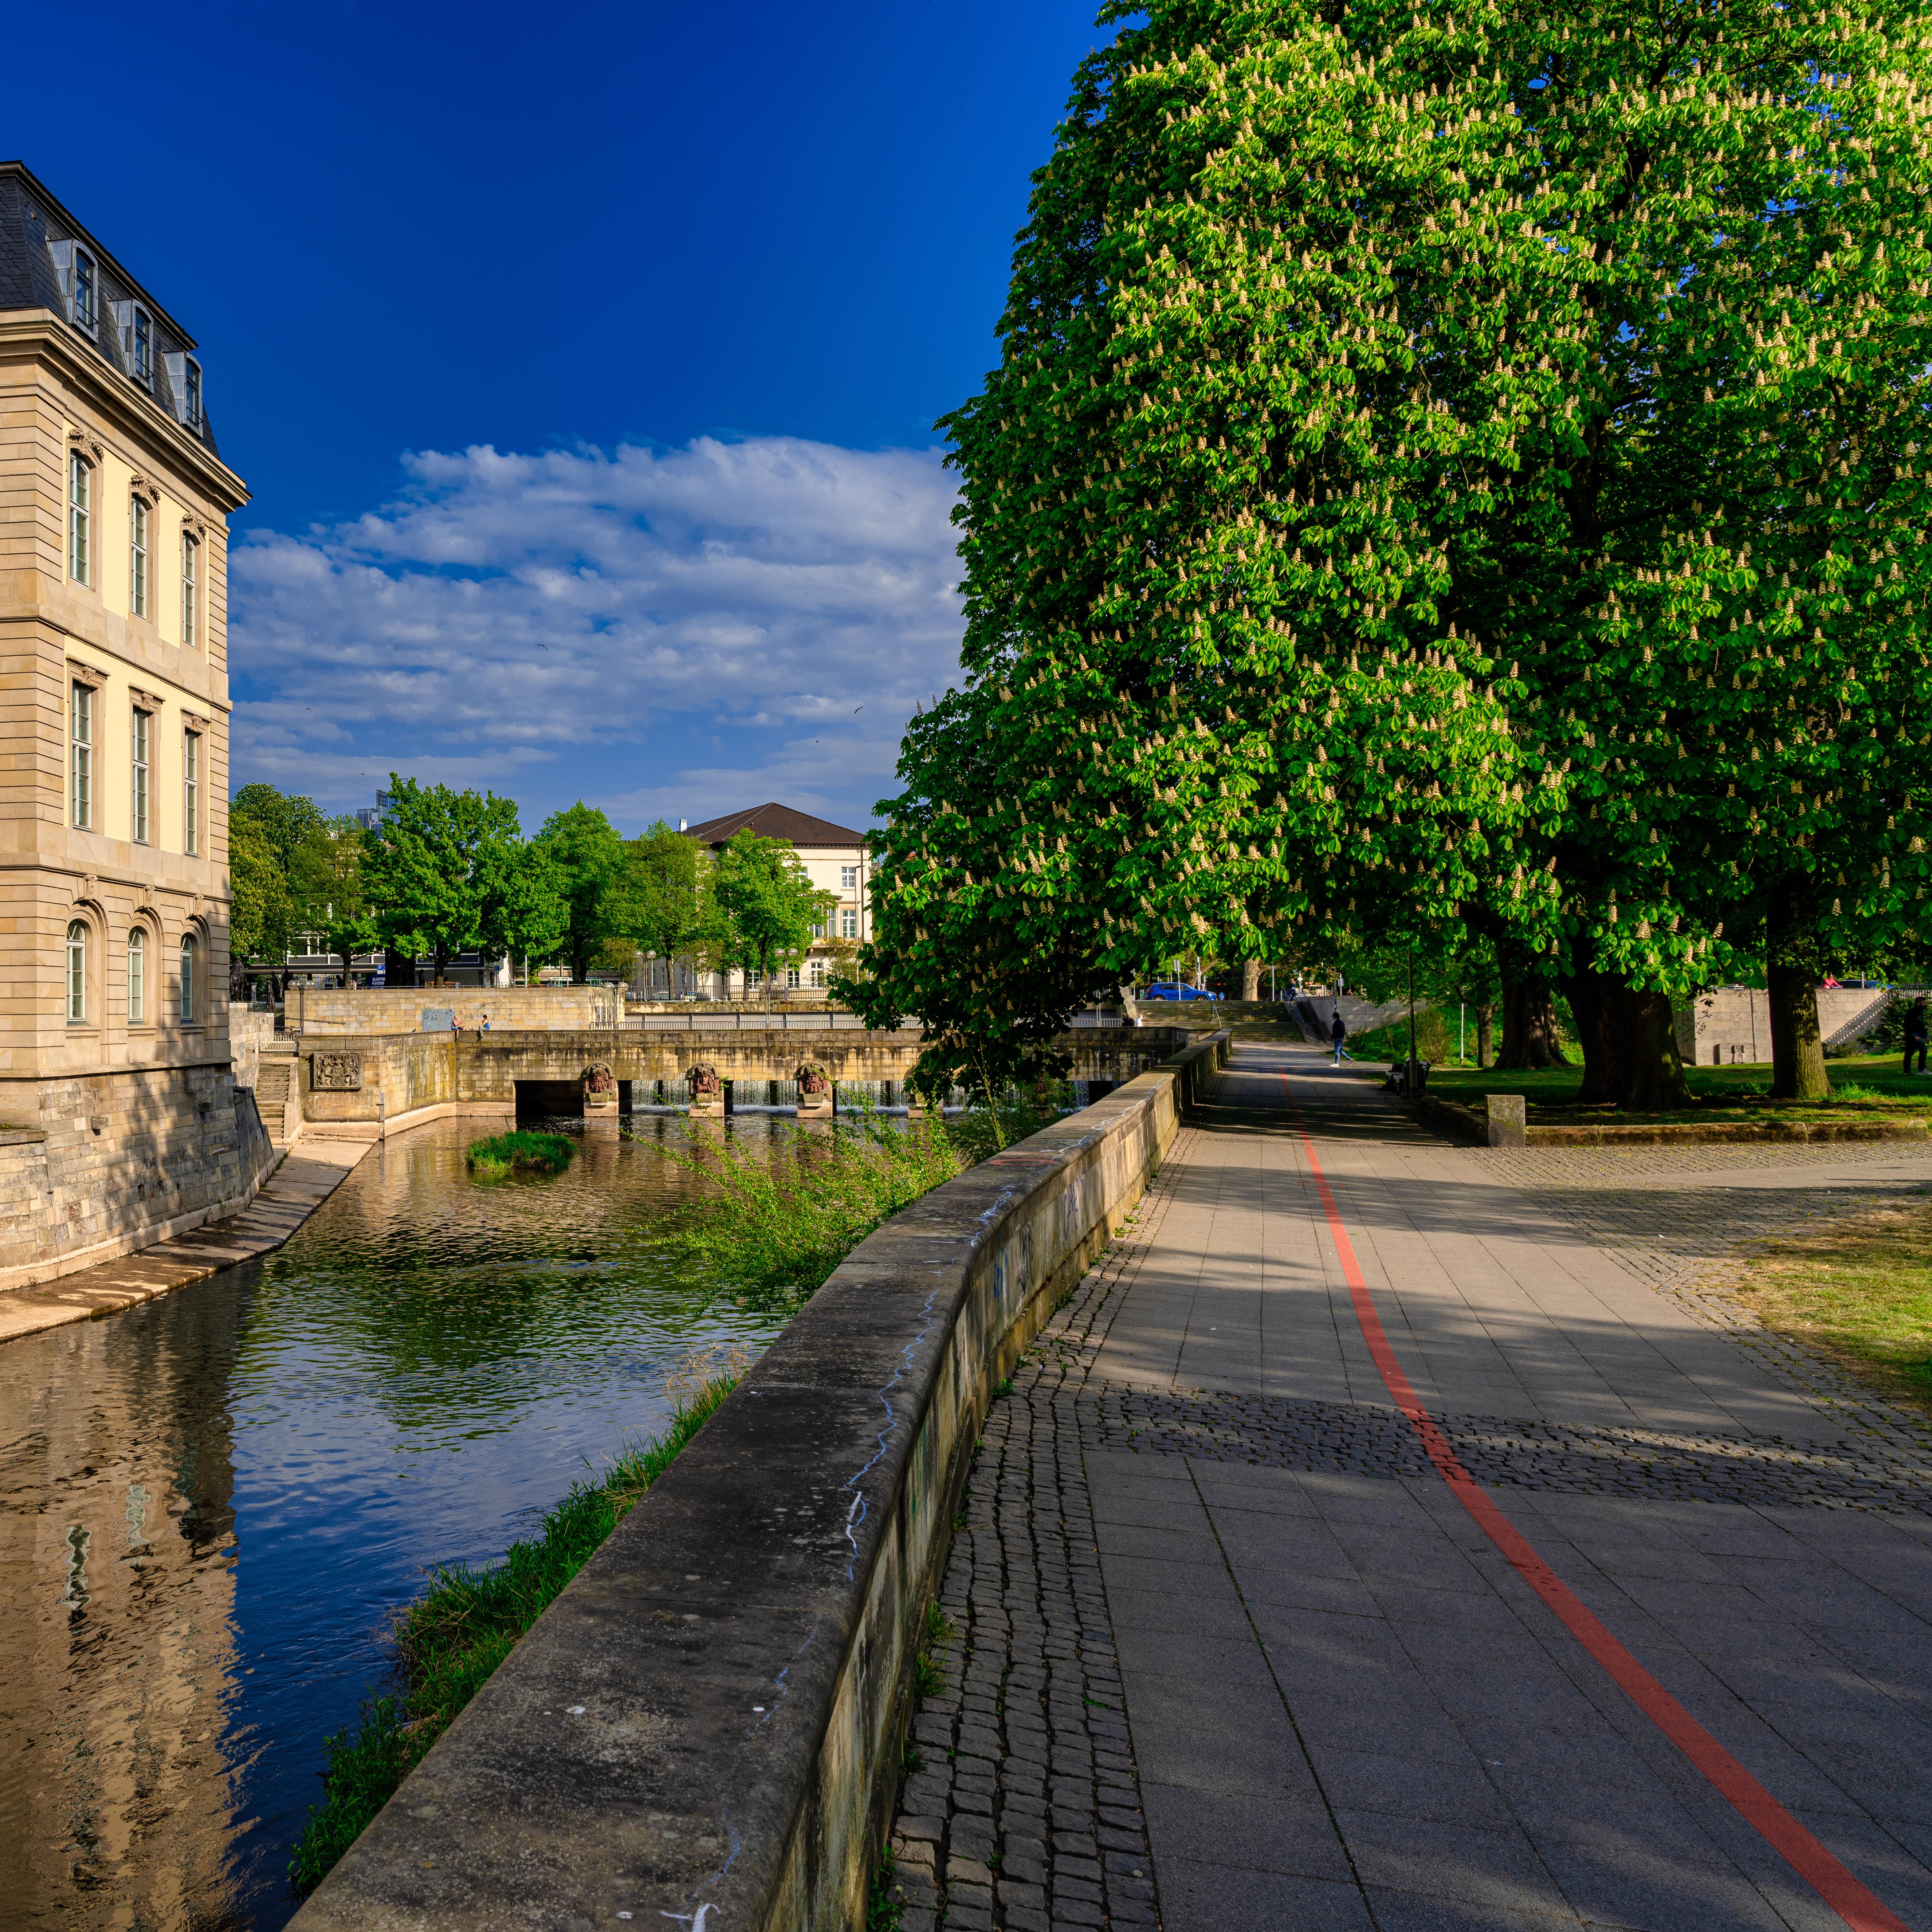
(550, 625)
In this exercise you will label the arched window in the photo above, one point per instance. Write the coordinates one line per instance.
(188, 979)
(76, 974)
(137, 977)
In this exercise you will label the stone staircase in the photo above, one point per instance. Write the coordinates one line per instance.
(272, 1086)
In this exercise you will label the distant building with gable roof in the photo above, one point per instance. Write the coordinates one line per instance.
(836, 859)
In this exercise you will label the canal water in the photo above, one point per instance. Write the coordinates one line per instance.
(210, 1505)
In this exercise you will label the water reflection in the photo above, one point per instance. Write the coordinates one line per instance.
(209, 1505)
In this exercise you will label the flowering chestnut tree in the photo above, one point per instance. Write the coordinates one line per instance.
(1410, 428)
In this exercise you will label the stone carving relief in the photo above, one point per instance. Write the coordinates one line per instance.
(600, 1080)
(703, 1079)
(336, 1072)
(812, 1080)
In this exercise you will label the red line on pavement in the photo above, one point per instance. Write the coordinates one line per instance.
(1844, 1894)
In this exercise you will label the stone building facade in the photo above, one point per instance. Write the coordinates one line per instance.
(118, 1114)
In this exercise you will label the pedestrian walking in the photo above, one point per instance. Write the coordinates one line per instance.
(1914, 1033)
(1338, 1033)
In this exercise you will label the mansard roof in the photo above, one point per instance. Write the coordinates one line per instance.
(37, 235)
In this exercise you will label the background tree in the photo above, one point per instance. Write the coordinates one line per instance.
(258, 915)
(664, 899)
(431, 867)
(292, 834)
(767, 903)
(588, 856)
(526, 905)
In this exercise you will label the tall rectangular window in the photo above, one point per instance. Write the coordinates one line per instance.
(141, 721)
(83, 290)
(848, 878)
(191, 791)
(190, 573)
(79, 515)
(193, 400)
(144, 349)
(848, 922)
(137, 557)
(83, 758)
(137, 977)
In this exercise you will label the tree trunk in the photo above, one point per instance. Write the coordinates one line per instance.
(1792, 973)
(1530, 1036)
(399, 968)
(1251, 979)
(1630, 1045)
(1486, 1019)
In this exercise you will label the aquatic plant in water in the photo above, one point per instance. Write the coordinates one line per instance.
(506, 1153)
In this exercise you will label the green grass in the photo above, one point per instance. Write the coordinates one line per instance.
(450, 1639)
(1859, 1292)
(506, 1153)
(1863, 1086)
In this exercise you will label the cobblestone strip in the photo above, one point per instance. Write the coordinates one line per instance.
(1578, 1459)
(1018, 1808)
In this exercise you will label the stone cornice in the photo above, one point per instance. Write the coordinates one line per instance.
(42, 335)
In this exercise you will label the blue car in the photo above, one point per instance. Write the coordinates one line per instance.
(1175, 989)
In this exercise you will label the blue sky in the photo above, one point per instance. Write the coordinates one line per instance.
(582, 360)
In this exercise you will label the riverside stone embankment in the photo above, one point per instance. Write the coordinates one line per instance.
(707, 1724)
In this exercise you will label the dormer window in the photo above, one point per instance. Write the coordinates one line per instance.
(191, 402)
(84, 309)
(144, 349)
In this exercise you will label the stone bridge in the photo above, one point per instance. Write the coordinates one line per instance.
(376, 1084)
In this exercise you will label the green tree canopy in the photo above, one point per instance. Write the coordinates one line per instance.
(258, 915)
(1452, 473)
(588, 857)
(665, 892)
(437, 864)
(765, 904)
(525, 909)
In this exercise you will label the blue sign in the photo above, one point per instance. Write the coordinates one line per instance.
(439, 1019)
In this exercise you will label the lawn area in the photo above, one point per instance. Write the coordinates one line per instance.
(1859, 1292)
(1863, 1086)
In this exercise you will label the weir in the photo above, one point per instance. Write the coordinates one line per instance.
(366, 1086)
(706, 1726)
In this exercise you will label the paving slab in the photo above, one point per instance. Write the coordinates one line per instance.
(1344, 1705)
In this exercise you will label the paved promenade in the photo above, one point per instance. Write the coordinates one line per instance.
(1391, 1534)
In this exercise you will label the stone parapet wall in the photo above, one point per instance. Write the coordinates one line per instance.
(311, 1010)
(248, 1030)
(1731, 1025)
(707, 1725)
(119, 1159)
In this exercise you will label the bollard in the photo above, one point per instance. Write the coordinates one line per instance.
(1509, 1116)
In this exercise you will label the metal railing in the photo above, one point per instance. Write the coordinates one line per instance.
(698, 1020)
